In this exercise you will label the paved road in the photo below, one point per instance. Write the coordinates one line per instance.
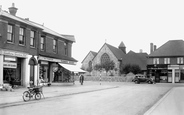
(127, 99)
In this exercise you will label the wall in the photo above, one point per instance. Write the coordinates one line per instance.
(88, 58)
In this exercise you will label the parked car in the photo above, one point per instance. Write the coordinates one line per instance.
(142, 78)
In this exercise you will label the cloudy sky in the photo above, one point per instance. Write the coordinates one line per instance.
(135, 22)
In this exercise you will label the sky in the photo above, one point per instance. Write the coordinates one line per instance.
(136, 23)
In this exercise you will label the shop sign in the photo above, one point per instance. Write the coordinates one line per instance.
(8, 58)
(49, 59)
(9, 65)
(44, 63)
(55, 69)
(16, 54)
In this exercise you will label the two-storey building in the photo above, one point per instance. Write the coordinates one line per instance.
(166, 63)
(29, 50)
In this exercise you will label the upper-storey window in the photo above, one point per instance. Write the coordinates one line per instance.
(105, 57)
(155, 60)
(32, 38)
(10, 35)
(66, 50)
(54, 45)
(180, 60)
(22, 36)
(42, 43)
(166, 60)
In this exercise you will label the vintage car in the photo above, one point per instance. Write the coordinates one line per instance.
(142, 78)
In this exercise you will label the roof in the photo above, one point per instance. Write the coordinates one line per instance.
(122, 44)
(92, 52)
(34, 24)
(136, 58)
(170, 48)
(117, 52)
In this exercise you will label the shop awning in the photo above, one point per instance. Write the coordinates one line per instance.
(72, 68)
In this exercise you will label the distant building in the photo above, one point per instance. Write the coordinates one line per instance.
(117, 55)
(166, 64)
(29, 50)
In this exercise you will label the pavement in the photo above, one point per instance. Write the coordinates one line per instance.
(13, 98)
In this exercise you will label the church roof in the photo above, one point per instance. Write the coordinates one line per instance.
(117, 52)
(170, 48)
(122, 44)
(92, 52)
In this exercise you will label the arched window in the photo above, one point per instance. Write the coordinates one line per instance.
(105, 57)
(90, 64)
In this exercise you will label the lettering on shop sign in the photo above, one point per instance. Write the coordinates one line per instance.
(16, 54)
(9, 65)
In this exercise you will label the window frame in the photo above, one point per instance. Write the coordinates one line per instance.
(54, 45)
(22, 36)
(32, 39)
(42, 45)
(180, 60)
(105, 57)
(155, 60)
(10, 33)
(166, 60)
(65, 49)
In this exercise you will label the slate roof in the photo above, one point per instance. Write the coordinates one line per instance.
(34, 24)
(93, 53)
(136, 58)
(169, 49)
(117, 52)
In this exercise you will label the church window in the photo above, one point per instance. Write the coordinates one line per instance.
(105, 57)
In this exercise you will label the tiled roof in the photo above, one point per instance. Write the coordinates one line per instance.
(117, 52)
(170, 48)
(34, 24)
(93, 53)
(136, 58)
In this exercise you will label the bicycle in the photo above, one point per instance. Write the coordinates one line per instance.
(35, 92)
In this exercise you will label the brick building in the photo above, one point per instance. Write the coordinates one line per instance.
(29, 50)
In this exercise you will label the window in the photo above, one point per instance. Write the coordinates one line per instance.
(180, 60)
(66, 50)
(155, 60)
(32, 38)
(54, 45)
(10, 35)
(105, 57)
(166, 60)
(22, 36)
(42, 43)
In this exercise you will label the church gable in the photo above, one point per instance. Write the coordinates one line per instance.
(105, 50)
(86, 61)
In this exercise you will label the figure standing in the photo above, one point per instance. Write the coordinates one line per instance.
(81, 79)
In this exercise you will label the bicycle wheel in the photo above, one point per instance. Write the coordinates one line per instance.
(37, 96)
(26, 96)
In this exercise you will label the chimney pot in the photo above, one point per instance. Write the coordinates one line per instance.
(13, 9)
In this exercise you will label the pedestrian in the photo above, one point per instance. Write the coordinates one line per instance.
(81, 79)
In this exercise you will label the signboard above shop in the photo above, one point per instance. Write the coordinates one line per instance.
(9, 65)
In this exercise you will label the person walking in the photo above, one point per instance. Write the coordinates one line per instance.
(81, 79)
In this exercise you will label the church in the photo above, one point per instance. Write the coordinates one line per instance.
(118, 55)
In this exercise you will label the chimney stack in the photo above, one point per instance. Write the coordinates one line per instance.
(155, 47)
(151, 48)
(13, 9)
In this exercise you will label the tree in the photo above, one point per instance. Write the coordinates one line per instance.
(108, 65)
(130, 68)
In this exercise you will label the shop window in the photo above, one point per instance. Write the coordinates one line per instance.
(10, 34)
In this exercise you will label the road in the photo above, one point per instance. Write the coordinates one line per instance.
(123, 100)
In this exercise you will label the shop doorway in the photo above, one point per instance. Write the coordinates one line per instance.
(32, 63)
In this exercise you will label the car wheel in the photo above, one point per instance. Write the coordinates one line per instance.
(136, 82)
(149, 82)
